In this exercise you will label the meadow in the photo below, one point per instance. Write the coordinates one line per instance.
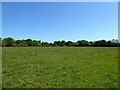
(59, 67)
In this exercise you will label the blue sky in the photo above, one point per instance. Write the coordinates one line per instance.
(60, 21)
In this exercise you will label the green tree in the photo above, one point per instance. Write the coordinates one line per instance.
(9, 42)
(115, 42)
(62, 43)
(56, 43)
(75, 44)
(69, 43)
(101, 43)
(45, 44)
(109, 43)
(91, 43)
(83, 43)
(29, 42)
(36, 43)
(19, 43)
(0, 41)
(50, 44)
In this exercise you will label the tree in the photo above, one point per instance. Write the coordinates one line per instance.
(91, 43)
(9, 42)
(50, 44)
(39, 43)
(24, 43)
(100, 43)
(115, 42)
(36, 43)
(29, 42)
(69, 43)
(0, 41)
(45, 44)
(109, 43)
(83, 43)
(57, 43)
(75, 44)
(62, 43)
(19, 43)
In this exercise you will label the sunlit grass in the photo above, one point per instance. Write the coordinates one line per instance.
(47, 67)
(0, 68)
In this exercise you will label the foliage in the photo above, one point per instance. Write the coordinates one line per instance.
(10, 42)
(45, 44)
(0, 41)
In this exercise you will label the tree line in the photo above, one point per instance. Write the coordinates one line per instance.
(10, 42)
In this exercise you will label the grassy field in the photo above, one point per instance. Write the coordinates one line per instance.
(62, 67)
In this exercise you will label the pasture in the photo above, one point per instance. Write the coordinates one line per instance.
(60, 67)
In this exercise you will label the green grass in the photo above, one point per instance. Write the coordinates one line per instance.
(0, 68)
(60, 67)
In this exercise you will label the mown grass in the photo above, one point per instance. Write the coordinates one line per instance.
(60, 67)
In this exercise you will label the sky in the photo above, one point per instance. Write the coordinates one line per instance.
(50, 21)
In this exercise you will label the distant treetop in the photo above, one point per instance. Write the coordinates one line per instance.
(10, 42)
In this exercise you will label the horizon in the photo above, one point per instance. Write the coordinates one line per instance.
(60, 21)
(61, 40)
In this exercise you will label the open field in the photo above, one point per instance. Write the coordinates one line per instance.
(60, 67)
